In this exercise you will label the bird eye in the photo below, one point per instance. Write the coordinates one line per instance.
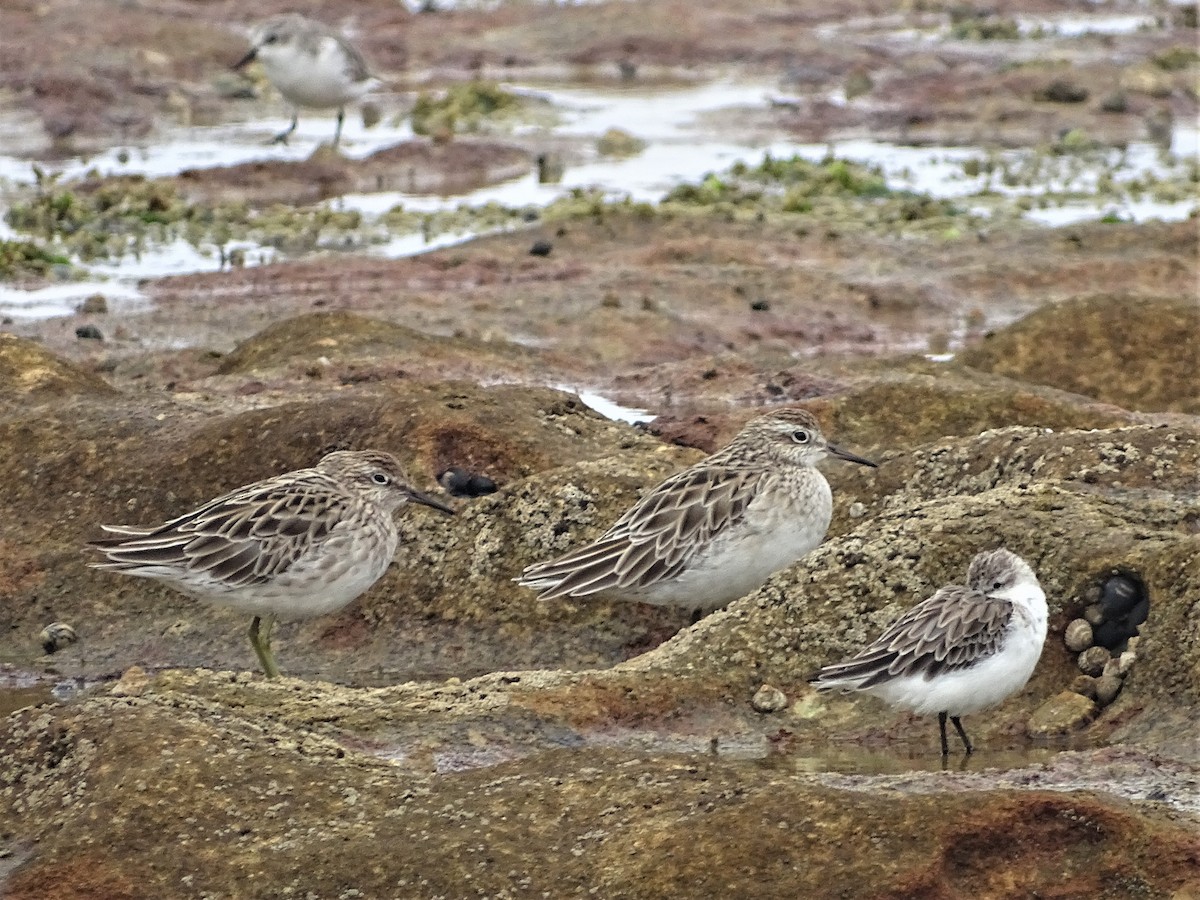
(380, 478)
(270, 39)
(996, 585)
(800, 437)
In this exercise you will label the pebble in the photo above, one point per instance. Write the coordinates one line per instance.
(458, 482)
(57, 635)
(541, 248)
(1119, 596)
(1125, 662)
(1107, 688)
(1092, 660)
(1094, 614)
(1084, 685)
(88, 333)
(1078, 635)
(94, 305)
(133, 683)
(1063, 713)
(768, 699)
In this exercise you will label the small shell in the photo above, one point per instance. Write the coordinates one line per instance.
(1112, 667)
(1125, 662)
(1094, 614)
(1092, 660)
(1084, 685)
(768, 699)
(1107, 688)
(1078, 636)
(57, 635)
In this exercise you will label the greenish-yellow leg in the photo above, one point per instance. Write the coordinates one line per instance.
(261, 642)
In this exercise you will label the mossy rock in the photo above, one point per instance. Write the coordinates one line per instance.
(30, 372)
(1136, 352)
(344, 338)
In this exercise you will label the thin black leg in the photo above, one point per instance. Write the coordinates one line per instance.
(282, 137)
(961, 733)
(942, 727)
(337, 133)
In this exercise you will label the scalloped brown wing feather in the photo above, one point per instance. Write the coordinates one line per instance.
(948, 631)
(655, 539)
(225, 538)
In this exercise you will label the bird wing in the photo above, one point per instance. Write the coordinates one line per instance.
(951, 630)
(654, 540)
(245, 537)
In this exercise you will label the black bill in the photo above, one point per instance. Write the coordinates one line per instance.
(849, 457)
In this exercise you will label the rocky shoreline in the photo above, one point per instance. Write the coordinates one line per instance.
(447, 735)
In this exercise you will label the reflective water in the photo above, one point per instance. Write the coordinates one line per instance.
(689, 132)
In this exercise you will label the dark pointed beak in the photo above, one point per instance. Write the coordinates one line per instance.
(848, 456)
(424, 499)
(246, 60)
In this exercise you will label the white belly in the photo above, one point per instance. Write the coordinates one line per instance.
(774, 534)
(315, 584)
(319, 83)
(982, 685)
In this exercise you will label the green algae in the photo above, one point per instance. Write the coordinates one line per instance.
(462, 108)
(19, 259)
(969, 25)
(106, 218)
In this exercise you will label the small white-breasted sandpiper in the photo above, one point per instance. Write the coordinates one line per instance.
(962, 650)
(311, 65)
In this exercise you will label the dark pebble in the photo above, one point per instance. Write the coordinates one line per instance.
(1125, 605)
(760, 305)
(88, 333)
(480, 485)
(541, 248)
(1119, 595)
(458, 482)
(1114, 634)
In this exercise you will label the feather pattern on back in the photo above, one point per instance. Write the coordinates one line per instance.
(655, 539)
(245, 537)
(951, 630)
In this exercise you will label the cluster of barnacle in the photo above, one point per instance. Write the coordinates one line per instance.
(1106, 635)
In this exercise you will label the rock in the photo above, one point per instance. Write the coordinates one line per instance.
(1060, 90)
(88, 333)
(1107, 347)
(371, 114)
(768, 699)
(1107, 688)
(1078, 635)
(1126, 662)
(1085, 685)
(1093, 660)
(1063, 713)
(619, 143)
(132, 683)
(458, 482)
(57, 635)
(541, 248)
(94, 305)
(1093, 614)
(28, 370)
(1119, 595)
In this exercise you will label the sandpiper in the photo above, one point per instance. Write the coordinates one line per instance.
(961, 650)
(311, 65)
(713, 532)
(294, 546)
